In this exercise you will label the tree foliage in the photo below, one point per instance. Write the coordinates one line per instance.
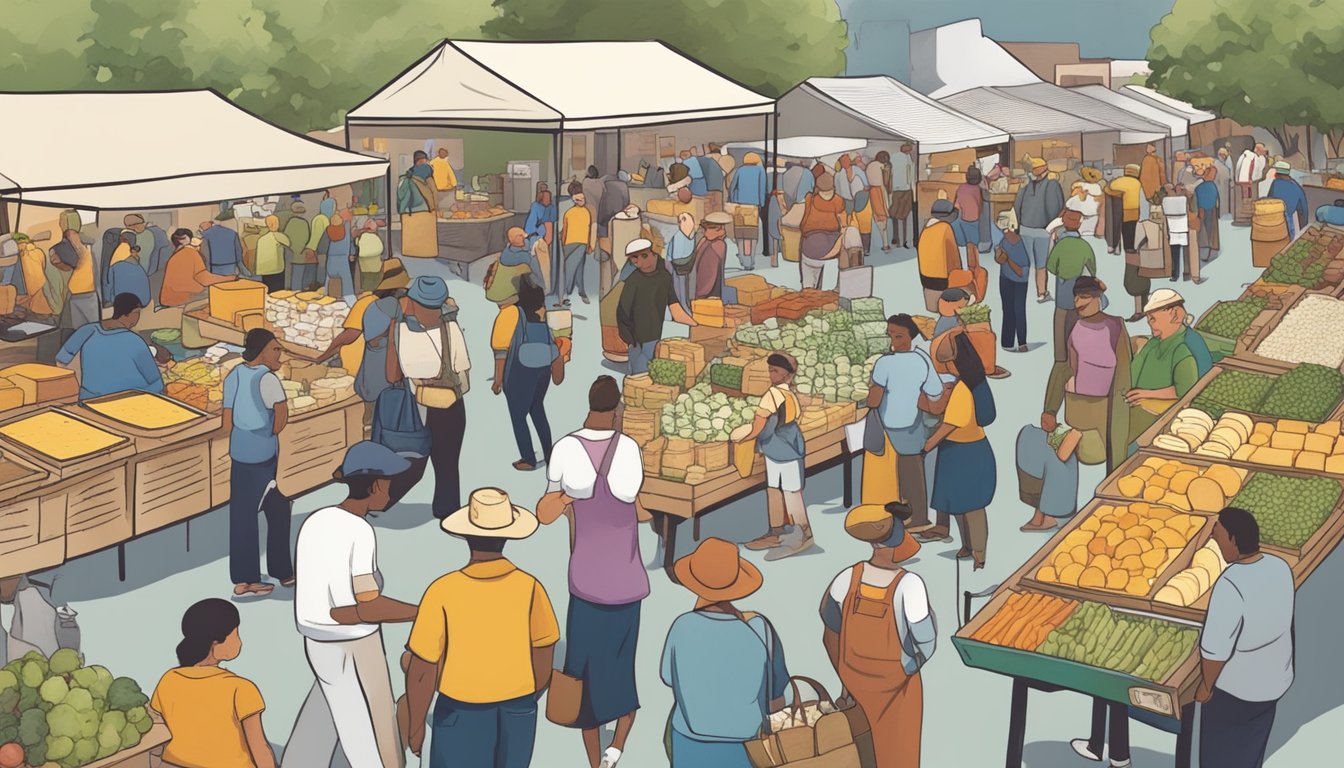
(1266, 64)
(768, 45)
(299, 64)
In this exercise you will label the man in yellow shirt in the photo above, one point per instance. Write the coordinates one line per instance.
(938, 253)
(81, 306)
(444, 177)
(1130, 191)
(576, 241)
(499, 662)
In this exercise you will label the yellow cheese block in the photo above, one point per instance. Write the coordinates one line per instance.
(1274, 457)
(707, 307)
(12, 397)
(282, 296)
(1333, 464)
(144, 410)
(54, 434)
(228, 299)
(308, 296)
(1318, 443)
(1329, 428)
(324, 301)
(41, 383)
(1288, 441)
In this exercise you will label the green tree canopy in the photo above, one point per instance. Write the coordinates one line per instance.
(768, 45)
(1267, 64)
(297, 63)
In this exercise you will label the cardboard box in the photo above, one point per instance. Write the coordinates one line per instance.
(230, 298)
(42, 383)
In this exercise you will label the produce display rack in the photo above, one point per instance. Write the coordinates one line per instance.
(673, 503)
(1249, 356)
(151, 480)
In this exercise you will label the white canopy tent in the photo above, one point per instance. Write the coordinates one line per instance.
(805, 147)
(1193, 115)
(881, 108)
(1020, 118)
(183, 148)
(534, 86)
(1132, 129)
(958, 57)
(1178, 126)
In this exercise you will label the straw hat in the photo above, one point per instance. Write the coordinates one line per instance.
(489, 513)
(1038, 163)
(394, 276)
(715, 572)
(874, 524)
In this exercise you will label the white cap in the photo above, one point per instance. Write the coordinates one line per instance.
(1161, 299)
(637, 245)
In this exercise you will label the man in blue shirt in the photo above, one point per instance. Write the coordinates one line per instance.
(1207, 200)
(1014, 276)
(112, 357)
(1285, 188)
(127, 276)
(541, 214)
(699, 187)
(221, 248)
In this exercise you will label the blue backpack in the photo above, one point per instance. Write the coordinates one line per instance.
(532, 344)
(397, 424)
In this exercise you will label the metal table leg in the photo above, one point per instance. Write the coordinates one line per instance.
(1185, 740)
(670, 523)
(121, 562)
(848, 496)
(1017, 724)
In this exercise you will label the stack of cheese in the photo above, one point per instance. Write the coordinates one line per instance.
(1186, 587)
(308, 319)
(332, 389)
(708, 312)
(1194, 431)
(35, 383)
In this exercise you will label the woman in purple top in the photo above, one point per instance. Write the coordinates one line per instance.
(969, 202)
(595, 476)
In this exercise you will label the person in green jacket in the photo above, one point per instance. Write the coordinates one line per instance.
(1165, 368)
(296, 228)
(1069, 258)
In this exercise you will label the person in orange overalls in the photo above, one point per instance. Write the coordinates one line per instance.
(880, 630)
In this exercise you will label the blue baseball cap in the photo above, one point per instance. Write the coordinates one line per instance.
(428, 291)
(369, 459)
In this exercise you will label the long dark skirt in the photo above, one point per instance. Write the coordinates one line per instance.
(601, 652)
(964, 477)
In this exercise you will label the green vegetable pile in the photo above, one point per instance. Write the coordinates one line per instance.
(705, 416)
(1297, 266)
(1230, 319)
(669, 373)
(1288, 509)
(1308, 392)
(836, 380)
(60, 711)
(868, 310)
(166, 336)
(1135, 645)
(1233, 390)
(874, 337)
(725, 375)
(974, 313)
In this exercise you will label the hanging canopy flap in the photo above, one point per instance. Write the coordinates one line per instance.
(1019, 118)
(1190, 113)
(890, 107)
(1176, 125)
(958, 57)
(1133, 129)
(808, 147)
(551, 86)
(101, 151)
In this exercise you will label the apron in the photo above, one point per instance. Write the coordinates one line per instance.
(605, 566)
(872, 672)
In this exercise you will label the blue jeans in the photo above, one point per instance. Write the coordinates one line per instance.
(1014, 297)
(247, 487)
(575, 256)
(525, 394)
(640, 355)
(499, 735)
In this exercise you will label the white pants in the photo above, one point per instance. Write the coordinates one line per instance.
(350, 704)
(815, 272)
(784, 476)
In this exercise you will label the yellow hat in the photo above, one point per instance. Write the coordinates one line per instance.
(752, 159)
(1038, 162)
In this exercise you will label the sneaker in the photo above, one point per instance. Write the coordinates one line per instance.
(1200, 280)
(1044, 297)
(803, 545)
(1022, 348)
(610, 758)
(768, 541)
(1081, 747)
(1120, 763)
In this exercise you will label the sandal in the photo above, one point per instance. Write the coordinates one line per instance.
(252, 590)
(963, 554)
(523, 466)
(1030, 528)
(935, 533)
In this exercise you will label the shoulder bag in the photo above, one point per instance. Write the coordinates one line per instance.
(444, 390)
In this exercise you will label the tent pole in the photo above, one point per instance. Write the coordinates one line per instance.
(387, 188)
(620, 152)
(557, 262)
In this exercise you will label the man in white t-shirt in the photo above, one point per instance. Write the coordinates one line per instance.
(339, 607)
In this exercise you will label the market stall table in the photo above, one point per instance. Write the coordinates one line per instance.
(463, 242)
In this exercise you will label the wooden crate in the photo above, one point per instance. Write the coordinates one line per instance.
(73, 467)
(170, 486)
(147, 440)
(142, 755)
(97, 511)
(311, 448)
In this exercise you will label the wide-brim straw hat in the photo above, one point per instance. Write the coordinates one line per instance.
(490, 514)
(394, 276)
(717, 573)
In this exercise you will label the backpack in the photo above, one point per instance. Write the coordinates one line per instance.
(532, 343)
(397, 425)
(336, 232)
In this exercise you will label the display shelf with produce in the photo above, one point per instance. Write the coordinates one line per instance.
(1229, 327)
(1303, 334)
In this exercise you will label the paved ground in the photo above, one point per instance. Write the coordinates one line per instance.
(132, 627)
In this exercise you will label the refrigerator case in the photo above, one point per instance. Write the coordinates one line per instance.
(520, 184)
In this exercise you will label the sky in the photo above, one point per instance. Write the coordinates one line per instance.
(1103, 28)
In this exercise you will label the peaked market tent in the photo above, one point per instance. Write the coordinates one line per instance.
(184, 148)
